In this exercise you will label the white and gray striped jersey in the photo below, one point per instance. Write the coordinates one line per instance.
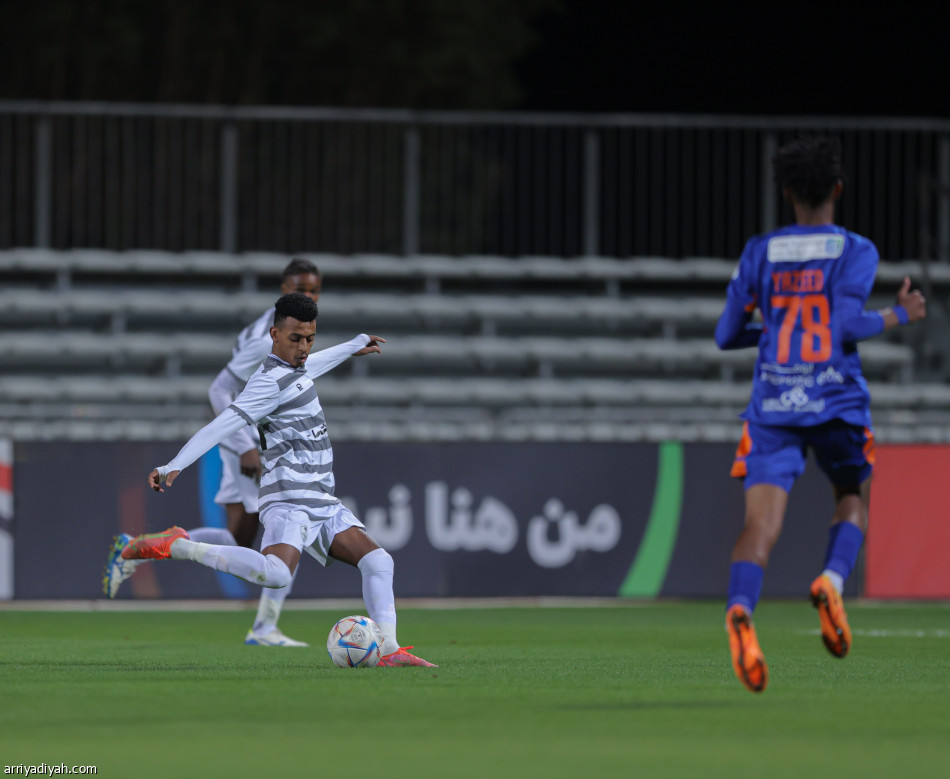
(253, 344)
(282, 401)
(297, 459)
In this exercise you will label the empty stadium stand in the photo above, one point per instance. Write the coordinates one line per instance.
(98, 344)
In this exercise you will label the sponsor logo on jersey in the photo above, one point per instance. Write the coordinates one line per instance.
(795, 400)
(801, 248)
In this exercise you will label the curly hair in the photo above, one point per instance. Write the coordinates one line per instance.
(294, 305)
(809, 168)
(299, 267)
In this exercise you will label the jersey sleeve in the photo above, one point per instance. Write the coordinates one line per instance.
(223, 425)
(852, 288)
(735, 328)
(252, 346)
(326, 360)
(258, 399)
(222, 392)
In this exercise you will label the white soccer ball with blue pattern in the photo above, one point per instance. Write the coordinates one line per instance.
(354, 642)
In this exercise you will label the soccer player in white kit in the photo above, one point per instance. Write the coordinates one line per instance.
(240, 463)
(298, 508)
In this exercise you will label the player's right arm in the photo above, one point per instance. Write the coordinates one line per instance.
(223, 425)
(258, 399)
(735, 328)
(222, 393)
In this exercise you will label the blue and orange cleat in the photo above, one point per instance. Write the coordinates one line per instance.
(117, 570)
(747, 659)
(403, 657)
(153, 546)
(835, 631)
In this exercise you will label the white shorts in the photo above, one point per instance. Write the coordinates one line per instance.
(287, 524)
(235, 486)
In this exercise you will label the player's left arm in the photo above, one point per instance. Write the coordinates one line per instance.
(326, 360)
(856, 323)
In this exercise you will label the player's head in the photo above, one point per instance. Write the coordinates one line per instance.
(295, 322)
(808, 170)
(302, 276)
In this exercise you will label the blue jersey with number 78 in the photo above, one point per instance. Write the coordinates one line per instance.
(810, 284)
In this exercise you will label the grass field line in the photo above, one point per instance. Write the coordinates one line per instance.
(883, 633)
(317, 604)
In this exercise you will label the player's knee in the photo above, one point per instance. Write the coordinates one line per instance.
(377, 561)
(277, 574)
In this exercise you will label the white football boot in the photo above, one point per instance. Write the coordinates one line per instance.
(273, 638)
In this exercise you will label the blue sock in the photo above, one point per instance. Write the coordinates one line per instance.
(745, 585)
(844, 543)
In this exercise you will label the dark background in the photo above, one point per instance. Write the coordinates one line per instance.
(538, 55)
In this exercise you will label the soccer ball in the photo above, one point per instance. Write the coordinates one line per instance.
(355, 641)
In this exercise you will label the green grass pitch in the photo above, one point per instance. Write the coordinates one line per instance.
(633, 690)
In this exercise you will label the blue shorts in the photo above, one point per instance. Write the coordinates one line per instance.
(777, 455)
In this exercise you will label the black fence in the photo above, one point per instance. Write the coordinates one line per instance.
(179, 178)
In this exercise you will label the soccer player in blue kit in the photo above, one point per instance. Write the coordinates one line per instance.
(810, 282)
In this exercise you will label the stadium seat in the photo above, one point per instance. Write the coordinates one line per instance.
(480, 347)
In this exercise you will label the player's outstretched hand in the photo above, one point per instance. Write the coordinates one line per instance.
(914, 302)
(371, 347)
(155, 481)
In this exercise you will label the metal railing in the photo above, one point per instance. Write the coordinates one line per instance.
(175, 177)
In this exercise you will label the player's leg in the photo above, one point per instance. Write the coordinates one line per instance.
(353, 546)
(243, 520)
(118, 569)
(272, 568)
(264, 630)
(844, 544)
(242, 524)
(213, 535)
(239, 496)
(349, 543)
(769, 460)
(765, 511)
(846, 454)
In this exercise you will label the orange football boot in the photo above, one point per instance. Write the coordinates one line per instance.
(835, 631)
(403, 657)
(153, 546)
(747, 659)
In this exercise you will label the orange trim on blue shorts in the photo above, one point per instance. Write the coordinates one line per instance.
(739, 468)
(870, 448)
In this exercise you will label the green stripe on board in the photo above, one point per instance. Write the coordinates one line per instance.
(649, 568)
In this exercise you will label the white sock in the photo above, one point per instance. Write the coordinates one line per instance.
(836, 579)
(268, 610)
(377, 569)
(267, 571)
(212, 535)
